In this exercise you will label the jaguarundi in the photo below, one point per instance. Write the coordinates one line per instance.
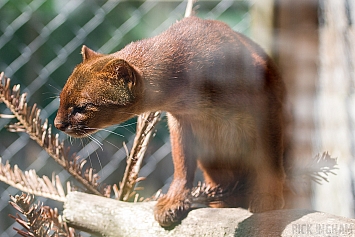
(224, 101)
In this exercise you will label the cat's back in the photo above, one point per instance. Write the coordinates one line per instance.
(213, 51)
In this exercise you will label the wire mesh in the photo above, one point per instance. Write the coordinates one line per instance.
(40, 43)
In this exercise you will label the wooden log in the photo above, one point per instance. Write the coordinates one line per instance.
(109, 217)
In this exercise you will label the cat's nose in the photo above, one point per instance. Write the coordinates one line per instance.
(60, 124)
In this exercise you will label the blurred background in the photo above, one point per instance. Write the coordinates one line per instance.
(311, 41)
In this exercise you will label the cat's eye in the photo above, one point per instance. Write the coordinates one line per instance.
(82, 108)
(79, 109)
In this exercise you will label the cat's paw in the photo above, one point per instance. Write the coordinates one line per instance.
(169, 211)
(265, 202)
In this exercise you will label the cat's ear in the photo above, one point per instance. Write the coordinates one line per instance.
(88, 53)
(119, 70)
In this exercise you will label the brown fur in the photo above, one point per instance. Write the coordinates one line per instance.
(224, 100)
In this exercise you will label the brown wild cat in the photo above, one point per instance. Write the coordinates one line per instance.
(224, 99)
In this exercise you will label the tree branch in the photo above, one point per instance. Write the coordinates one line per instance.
(110, 217)
(30, 182)
(145, 127)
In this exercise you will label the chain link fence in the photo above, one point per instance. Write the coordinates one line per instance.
(40, 43)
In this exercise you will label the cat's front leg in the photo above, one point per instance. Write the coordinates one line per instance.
(174, 206)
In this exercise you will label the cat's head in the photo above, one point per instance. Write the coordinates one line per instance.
(100, 92)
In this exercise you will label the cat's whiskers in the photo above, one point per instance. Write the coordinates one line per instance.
(71, 140)
(56, 95)
(98, 159)
(112, 144)
(83, 145)
(97, 141)
(88, 157)
(57, 89)
(53, 97)
(106, 130)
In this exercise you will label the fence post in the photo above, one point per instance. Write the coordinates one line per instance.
(336, 103)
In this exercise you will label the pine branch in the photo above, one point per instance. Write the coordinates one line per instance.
(316, 169)
(40, 221)
(322, 166)
(30, 182)
(30, 122)
(145, 127)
